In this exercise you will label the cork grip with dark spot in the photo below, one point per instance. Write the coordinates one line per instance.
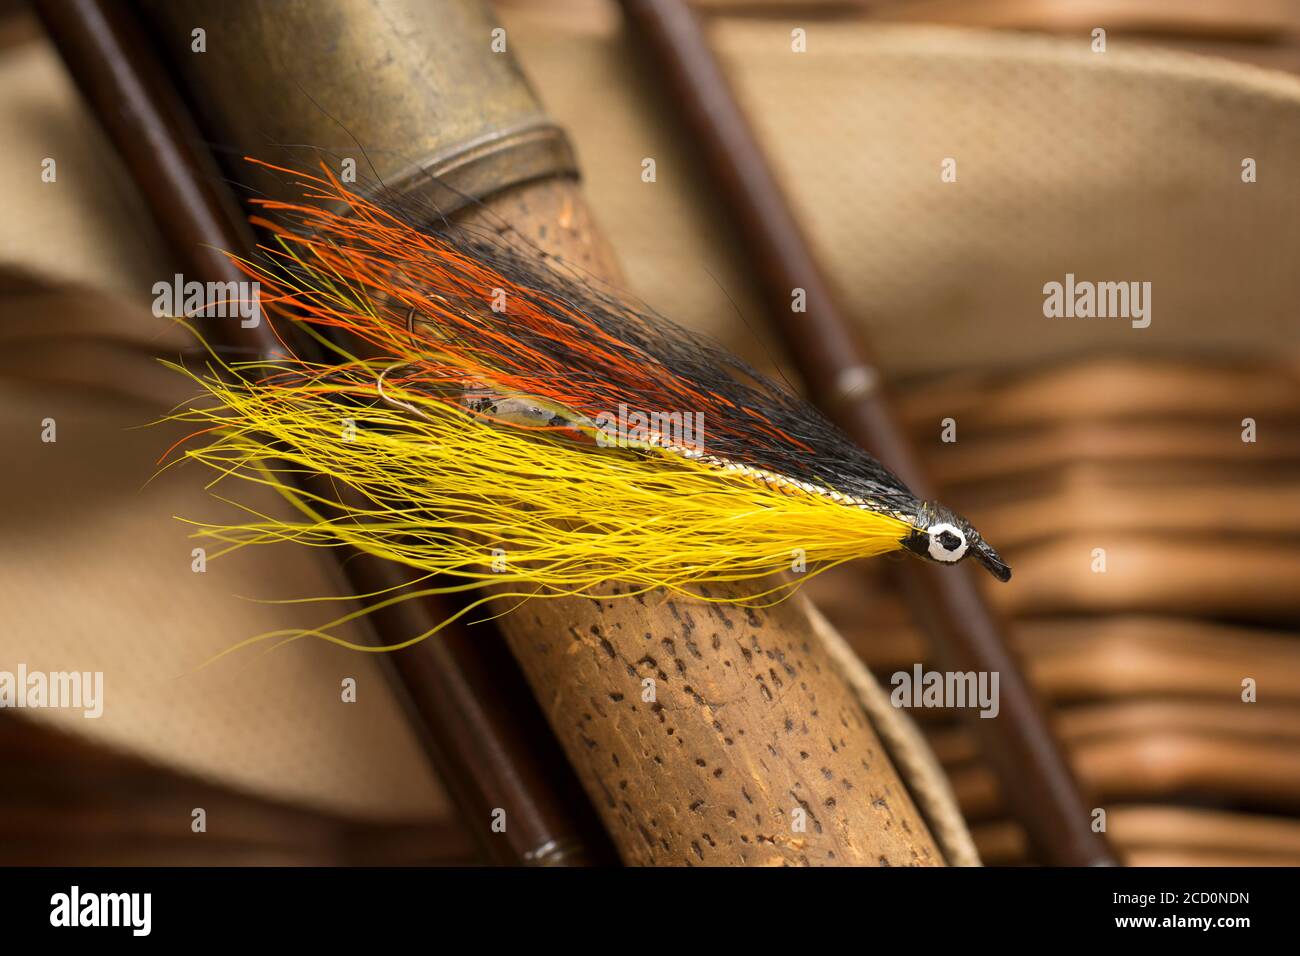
(705, 733)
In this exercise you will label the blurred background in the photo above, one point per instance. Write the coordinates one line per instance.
(1072, 435)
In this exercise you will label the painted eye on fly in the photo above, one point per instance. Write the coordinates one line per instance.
(947, 543)
(951, 539)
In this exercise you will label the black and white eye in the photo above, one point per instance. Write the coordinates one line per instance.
(947, 542)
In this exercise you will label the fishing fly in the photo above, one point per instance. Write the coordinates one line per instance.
(505, 430)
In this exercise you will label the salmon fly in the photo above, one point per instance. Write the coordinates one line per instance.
(508, 429)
